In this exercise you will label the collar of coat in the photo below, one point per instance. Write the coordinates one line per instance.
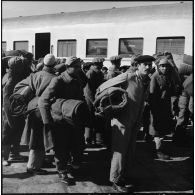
(48, 69)
(66, 77)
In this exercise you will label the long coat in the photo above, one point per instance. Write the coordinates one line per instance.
(12, 125)
(33, 131)
(95, 79)
(65, 87)
(161, 90)
(126, 124)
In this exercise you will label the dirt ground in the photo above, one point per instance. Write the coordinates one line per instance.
(149, 175)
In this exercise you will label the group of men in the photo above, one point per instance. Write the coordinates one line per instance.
(59, 104)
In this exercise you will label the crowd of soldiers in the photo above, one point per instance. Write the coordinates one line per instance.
(66, 105)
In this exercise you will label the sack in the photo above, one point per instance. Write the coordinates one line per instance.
(110, 101)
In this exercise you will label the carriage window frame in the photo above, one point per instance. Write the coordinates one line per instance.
(14, 45)
(182, 49)
(4, 46)
(66, 40)
(130, 39)
(97, 55)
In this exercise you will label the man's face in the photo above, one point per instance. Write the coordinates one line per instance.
(96, 68)
(145, 68)
(73, 70)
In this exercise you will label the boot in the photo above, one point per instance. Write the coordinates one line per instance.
(159, 152)
(6, 151)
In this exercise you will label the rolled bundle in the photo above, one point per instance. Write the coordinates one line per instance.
(110, 101)
(74, 112)
(19, 101)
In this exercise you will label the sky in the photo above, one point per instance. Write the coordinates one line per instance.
(28, 8)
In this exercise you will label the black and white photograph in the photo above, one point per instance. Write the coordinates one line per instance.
(97, 97)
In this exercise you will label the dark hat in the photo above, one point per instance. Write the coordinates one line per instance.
(73, 61)
(115, 58)
(49, 60)
(144, 58)
(98, 60)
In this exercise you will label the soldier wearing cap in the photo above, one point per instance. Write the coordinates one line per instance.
(95, 78)
(65, 86)
(126, 123)
(161, 119)
(113, 70)
(12, 127)
(38, 82)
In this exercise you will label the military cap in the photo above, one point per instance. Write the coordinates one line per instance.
(73, 61)
(98, 60)
(115, 58)
(144, 58)
(49, 60)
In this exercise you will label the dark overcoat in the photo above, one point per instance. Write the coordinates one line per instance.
(65, 87)
(161, 90)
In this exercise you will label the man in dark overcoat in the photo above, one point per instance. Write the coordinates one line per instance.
(12, 127)
(161, 119)
(66, 86)
(95, 79)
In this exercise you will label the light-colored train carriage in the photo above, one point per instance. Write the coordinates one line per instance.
(88, 34)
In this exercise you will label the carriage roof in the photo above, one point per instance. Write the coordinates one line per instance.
(114, 15)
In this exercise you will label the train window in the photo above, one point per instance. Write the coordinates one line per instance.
(3, 46)
(174, 45)
(130, 46)
(96, 47)
(19, 45)
(66, 48)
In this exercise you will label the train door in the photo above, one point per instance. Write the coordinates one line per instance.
(42, 45)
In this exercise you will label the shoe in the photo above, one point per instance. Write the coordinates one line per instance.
(63, 177)
(36, 171)
(122, 188)
(162, 156)
(75, 165)
(17, 158)
(5, 163)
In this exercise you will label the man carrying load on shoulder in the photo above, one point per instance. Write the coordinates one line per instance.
(126, 123)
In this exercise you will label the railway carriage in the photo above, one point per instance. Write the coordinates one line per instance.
(103, 33)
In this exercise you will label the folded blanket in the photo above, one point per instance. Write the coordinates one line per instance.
(19, 101)
(74, 112)
(110, 101)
